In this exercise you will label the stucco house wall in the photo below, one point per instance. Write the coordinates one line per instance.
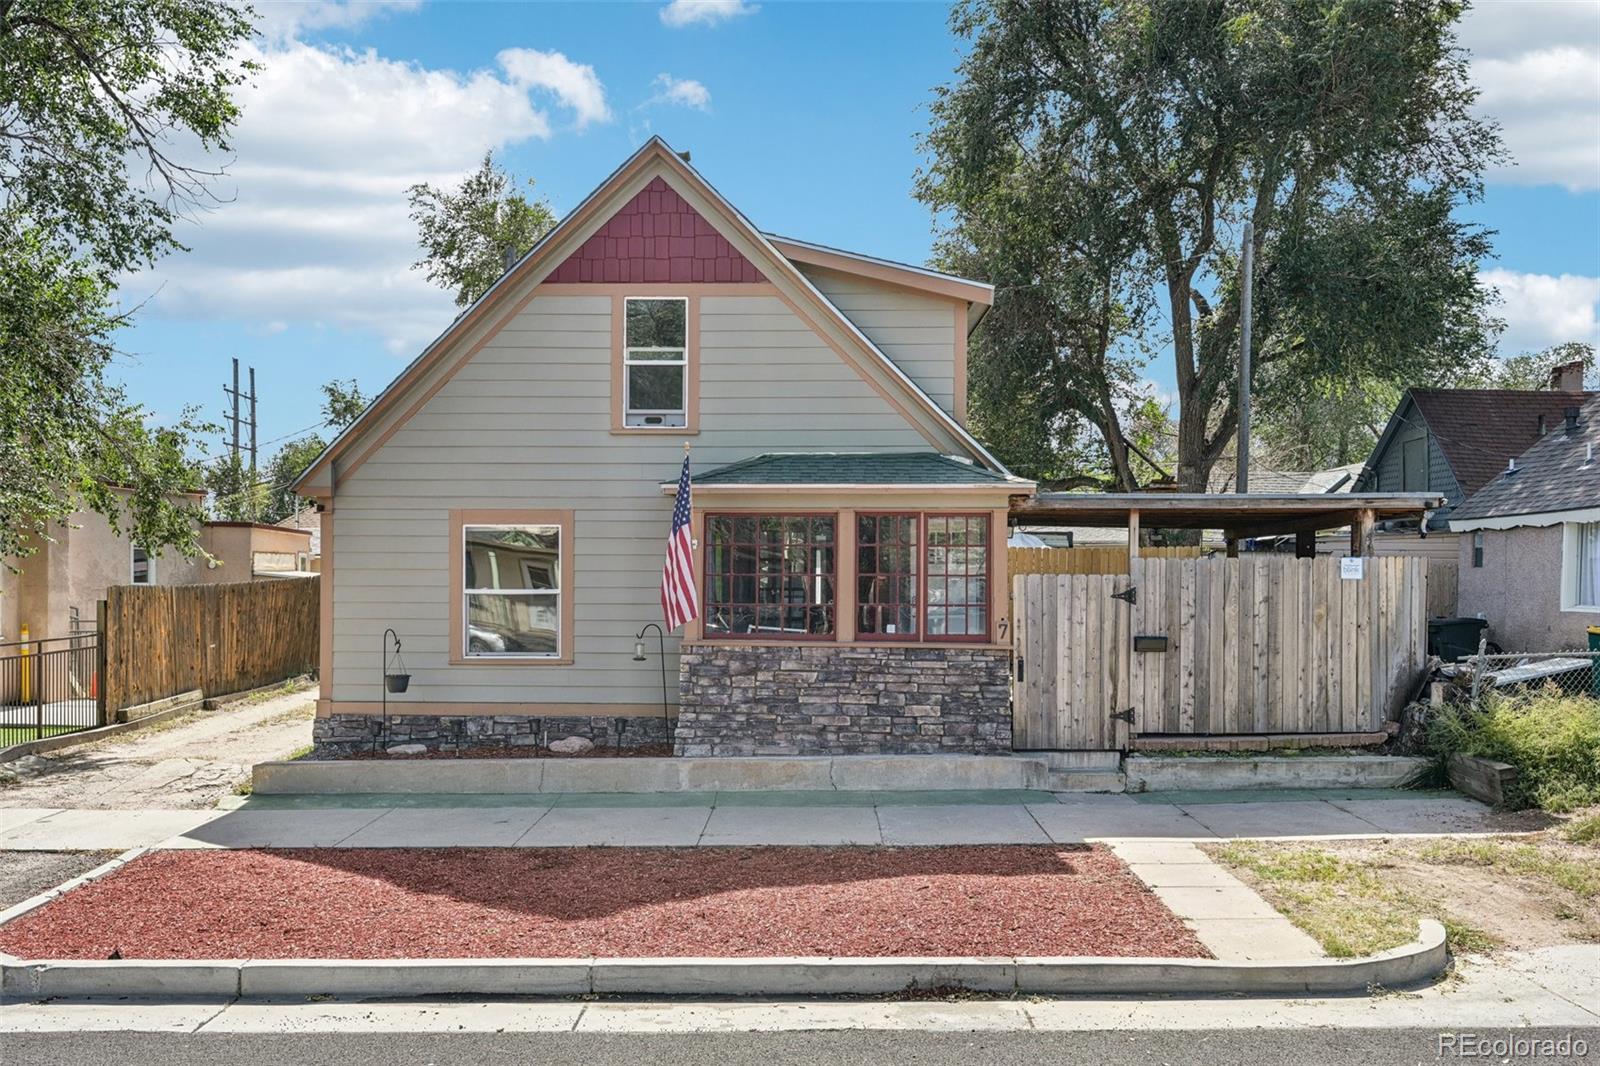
(1518, 590)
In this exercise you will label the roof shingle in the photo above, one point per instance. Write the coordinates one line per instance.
(1479, 430)
(1550, 476)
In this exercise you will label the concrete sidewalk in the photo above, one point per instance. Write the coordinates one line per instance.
(743, 818)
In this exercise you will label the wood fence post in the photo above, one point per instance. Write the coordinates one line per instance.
(101, 636)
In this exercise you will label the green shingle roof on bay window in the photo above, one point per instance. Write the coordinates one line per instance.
(850, 468)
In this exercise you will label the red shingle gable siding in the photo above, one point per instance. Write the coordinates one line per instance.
(656, 237)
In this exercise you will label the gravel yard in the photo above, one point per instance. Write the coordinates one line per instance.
(25, 874)
(608, 902)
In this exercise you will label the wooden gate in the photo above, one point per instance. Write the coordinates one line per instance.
(1263, 644)
(1073, 658)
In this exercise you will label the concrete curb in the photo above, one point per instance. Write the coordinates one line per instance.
(813, 773)
(1421, 960)
(1166, 773)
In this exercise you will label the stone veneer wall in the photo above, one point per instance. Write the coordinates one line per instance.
(343, 734)
(810, 700)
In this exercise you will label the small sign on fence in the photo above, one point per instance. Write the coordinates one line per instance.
(1352, 568)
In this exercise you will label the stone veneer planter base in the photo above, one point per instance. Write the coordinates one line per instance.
(345, 734)
(801, 699)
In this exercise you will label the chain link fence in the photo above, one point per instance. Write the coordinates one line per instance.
(1571, 673)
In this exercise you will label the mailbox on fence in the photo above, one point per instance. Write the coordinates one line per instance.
(1148, 643)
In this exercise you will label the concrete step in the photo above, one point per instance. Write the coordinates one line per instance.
(1081, 760)
(1086, 780)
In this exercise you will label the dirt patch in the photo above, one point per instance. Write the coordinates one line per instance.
(25, 874)
(608, 902)
(1356, 896)
(188, 762)
(643, 751)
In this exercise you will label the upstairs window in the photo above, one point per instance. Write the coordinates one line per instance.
(655, 361)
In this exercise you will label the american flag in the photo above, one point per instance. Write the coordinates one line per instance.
(679, 602)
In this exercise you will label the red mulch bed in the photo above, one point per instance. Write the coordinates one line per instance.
(607, 902)
(643, 751)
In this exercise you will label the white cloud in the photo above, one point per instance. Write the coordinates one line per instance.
(1536, 64)
(314, 228)
(684, 92)
(704, 12)
(575, 84)
(1543, 309)
(283, 20)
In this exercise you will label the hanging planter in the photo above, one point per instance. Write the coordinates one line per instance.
(396, 682)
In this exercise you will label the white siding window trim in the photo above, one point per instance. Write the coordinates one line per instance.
(656, 356)
(1580, 567)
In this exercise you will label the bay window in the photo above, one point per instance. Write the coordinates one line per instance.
(770, 576)
(922, 577)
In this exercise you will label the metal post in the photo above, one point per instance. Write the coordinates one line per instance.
(1241, 473)
(234, 393)
(252, 496)
(1477, 669)
(40, 683)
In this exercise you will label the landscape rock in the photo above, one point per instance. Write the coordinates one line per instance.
(571, 745)
(408, 749)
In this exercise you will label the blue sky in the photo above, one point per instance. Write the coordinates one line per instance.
(804, 114)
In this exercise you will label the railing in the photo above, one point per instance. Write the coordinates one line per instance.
(51, 686)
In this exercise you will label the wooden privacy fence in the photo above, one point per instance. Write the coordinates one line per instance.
(163, 640)
(1089, 560)
(1264, 644)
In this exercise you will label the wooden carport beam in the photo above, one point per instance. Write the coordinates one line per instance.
(1314, 524)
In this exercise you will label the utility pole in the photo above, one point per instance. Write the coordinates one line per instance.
(234, 395)
(1241, 468)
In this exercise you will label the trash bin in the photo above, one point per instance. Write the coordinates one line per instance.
(1452, 639)
(1594, 666)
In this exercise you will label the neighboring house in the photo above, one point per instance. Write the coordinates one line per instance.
(1530, 541)
(504, 505)
(310, 520)
(54, 592)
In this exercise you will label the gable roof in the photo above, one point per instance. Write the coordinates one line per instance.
(1556, 474)
(1479, 430)
(904, 275)
(654, 158)
(853, 468)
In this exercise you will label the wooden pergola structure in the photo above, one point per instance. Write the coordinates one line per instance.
(1238, 515)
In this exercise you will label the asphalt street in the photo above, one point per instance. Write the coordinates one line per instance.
(1192, 1047)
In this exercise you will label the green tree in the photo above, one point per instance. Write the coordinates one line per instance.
(286, 466)
(467, 232)
(1531, 370)
(93, 95)
(1341, 129)
(342, 403)
(235, 495)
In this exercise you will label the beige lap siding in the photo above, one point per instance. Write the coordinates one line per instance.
(916, 330)
(526, 424)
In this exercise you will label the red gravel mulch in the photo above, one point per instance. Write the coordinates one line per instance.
(643, 751)
(607, 902)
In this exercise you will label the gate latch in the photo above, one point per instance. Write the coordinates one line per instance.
(1128, 595)
(1123, 716)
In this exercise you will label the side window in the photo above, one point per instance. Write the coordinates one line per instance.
(1477, 549)
(143, 568)
(512, 591)
(655, 361)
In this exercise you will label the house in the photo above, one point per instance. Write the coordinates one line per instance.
(1530, 540)
(310, 520)
(1454, 442)
(504, 504)
(53, 593)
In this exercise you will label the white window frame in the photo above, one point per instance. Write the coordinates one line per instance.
(1571, 537)
(468, 591)
(149, 566)
(672, 418)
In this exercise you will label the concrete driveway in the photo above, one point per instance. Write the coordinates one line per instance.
(185, 764)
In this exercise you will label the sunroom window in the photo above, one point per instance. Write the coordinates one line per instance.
(770, 577)
(957, 578)
(655, 361)
(922, 577)
(512, 588)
